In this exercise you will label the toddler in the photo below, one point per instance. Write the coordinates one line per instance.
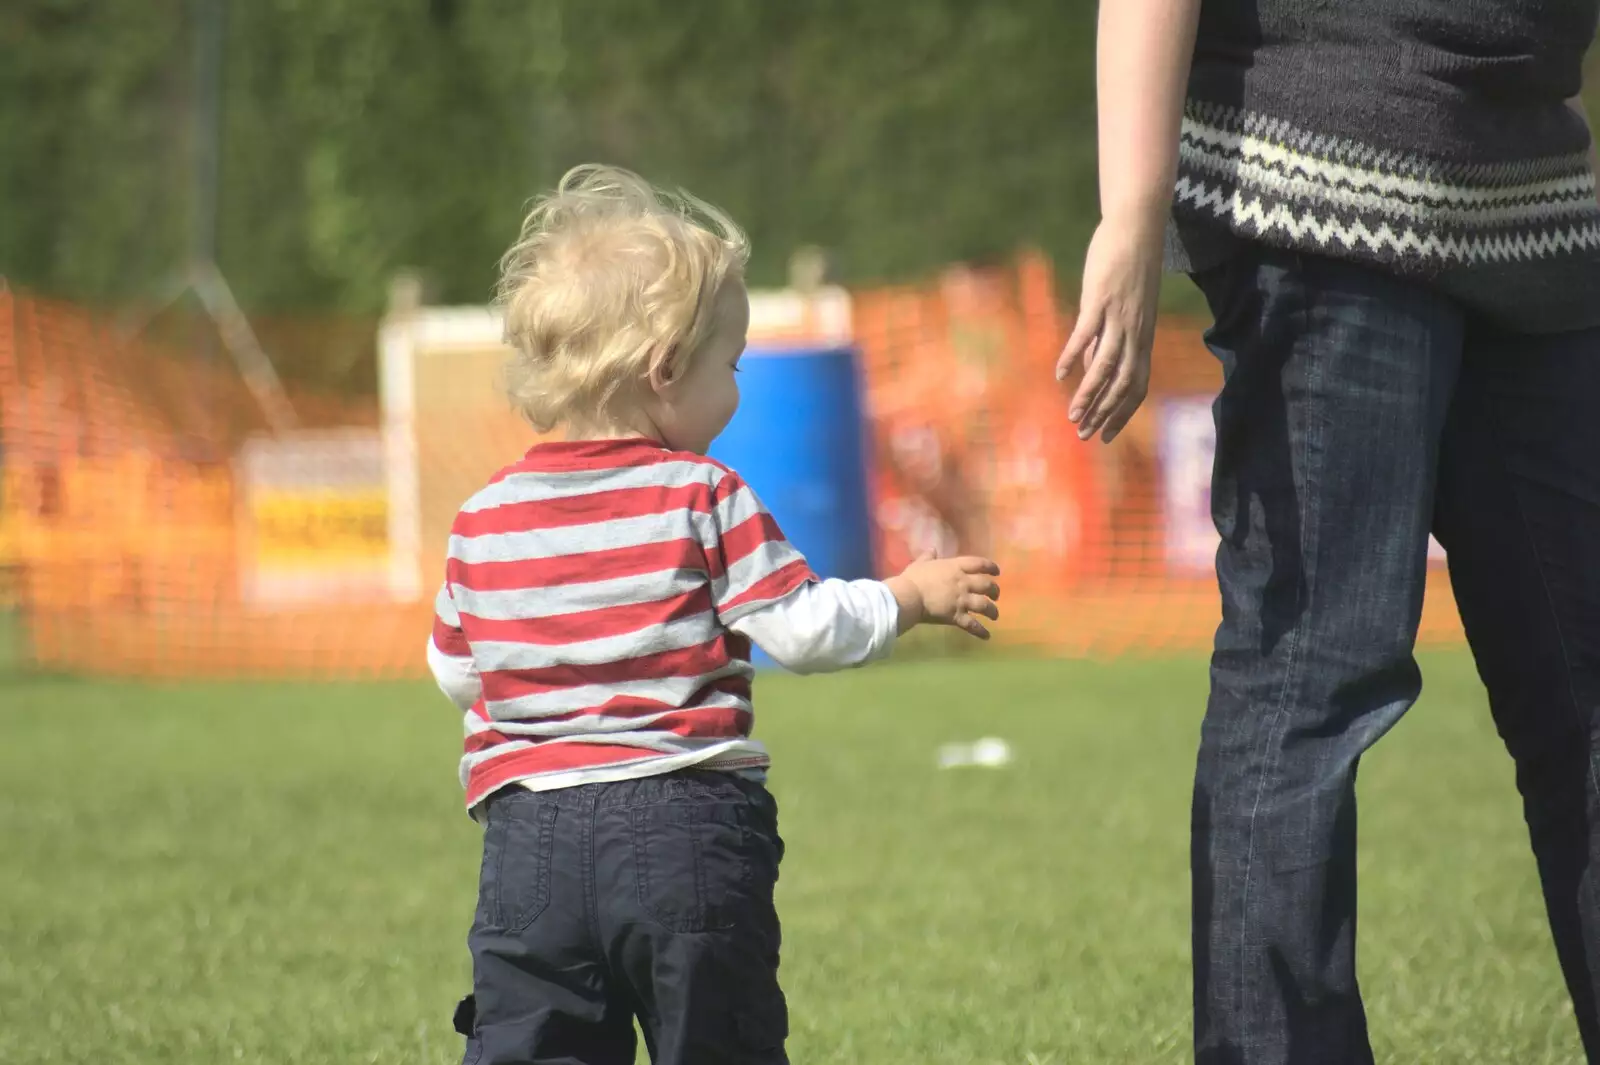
(595, 625)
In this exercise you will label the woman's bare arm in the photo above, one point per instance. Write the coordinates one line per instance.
(1143, 57)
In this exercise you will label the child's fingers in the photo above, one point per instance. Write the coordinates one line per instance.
(976, 564)
(978, 604)
(972, 625)
(984, 586)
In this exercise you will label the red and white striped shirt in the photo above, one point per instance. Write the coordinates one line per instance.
(586, 620)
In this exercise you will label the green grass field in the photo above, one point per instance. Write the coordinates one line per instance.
(281, 874)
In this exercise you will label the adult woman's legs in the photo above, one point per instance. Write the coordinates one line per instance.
(1519, 512)
(1338, 379)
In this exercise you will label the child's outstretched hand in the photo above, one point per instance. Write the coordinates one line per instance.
(948, 591)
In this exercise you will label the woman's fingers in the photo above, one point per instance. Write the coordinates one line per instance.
(1088, 404)
(1130, 398)
(1109, 401)
(1096, 372)
(1081, 341)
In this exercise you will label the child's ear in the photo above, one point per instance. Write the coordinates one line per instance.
(664, 370)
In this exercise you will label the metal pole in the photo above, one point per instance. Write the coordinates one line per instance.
(201, 274)
(210, 27)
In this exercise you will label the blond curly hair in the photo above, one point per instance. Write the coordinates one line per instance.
(610, 281)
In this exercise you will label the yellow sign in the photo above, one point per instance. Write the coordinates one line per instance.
(326, 527)
(315, 516)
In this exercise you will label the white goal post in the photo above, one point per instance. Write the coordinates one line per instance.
(447, 427)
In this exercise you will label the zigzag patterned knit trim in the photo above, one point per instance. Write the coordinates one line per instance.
(1523, 212)
(1221, 118)
(1298, 223)
(1298, 187)
(1226, 153)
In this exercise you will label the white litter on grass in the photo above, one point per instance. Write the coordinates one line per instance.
(989, 753)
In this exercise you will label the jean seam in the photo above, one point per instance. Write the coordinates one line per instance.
(1544, 585)
(588, 822)
(496, 907)
(643, 881)
(546, 855)
(1280, 715)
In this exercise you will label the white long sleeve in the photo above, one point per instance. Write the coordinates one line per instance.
(825, 626)
(456, 676)
(449, 656)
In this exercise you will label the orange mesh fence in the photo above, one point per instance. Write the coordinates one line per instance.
(150, 526)
(1106, 550)
(121, 529)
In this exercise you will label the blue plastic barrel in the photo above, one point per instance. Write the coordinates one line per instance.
(798, 440)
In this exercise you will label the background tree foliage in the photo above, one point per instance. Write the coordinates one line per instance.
(365, 136)
(361, 137)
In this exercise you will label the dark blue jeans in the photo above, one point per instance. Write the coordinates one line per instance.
(648, 899)
(1360, 411)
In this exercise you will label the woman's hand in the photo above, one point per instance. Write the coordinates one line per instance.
(1141, 70)
(1116, 326)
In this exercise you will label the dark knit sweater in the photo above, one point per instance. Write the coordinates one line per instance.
(1430, 138)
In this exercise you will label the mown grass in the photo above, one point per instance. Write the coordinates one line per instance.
(278, 874)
